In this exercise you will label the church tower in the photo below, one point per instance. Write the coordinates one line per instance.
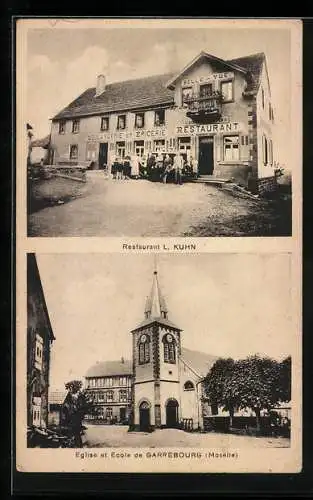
(156, 351)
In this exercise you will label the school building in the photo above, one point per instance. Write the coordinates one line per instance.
(218, 111)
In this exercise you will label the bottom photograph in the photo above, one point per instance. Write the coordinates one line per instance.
(141, 350)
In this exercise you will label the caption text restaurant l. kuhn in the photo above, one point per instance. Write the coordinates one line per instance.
(219, 112)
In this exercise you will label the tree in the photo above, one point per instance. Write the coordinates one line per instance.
(217, 385)
(284, 384)
(254, 384)
(76, 405)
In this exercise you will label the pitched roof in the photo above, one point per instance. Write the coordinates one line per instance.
(34, 286)
(57, 397)
(130, 94)
(153, 90)
(163, 321)
(110, 368)
(41, 143)
(253, 65)
(155, 303)
(203, 55)
(200, 362)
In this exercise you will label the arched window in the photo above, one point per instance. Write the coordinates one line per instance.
(169, 349)
(188, 386)
(144, 349)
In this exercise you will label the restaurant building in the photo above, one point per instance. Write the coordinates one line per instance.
(219, 112)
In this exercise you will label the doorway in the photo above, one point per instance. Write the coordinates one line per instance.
(206, 159)
(103, 154)
(144, 416)
(122, 415)
(172, 413)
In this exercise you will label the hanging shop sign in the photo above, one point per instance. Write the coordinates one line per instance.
(207, 79)
(210, 128)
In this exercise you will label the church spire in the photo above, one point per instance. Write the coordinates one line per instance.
(155, 304)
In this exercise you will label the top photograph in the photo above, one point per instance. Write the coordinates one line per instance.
(158, 130)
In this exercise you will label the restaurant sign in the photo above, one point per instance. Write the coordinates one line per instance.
(208, 79)
(211, 128)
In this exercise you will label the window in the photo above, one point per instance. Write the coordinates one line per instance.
(214, 409)
(36, 411)
(73, 152)
(75, 126)
(62, 125)
(123, 396)
(184, 144)
(231, 148)
(109, 413)
(121, 122)
(38, 352)
(206, 90)
(108, 381)
(109, 396)
(271, 152)
(104, 123)
(169, 349)
(159, 117)
(265, 151)
(186, 93)
(123, 381)
(188, 386)
(139, 120)
(159, 146)
(227, 91)
(120, 149)
(269, 111)
(101, 397)
(263, 99)
(139, 148)
(144, 349)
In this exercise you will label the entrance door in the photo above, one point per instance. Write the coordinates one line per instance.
(122, 415)
(103, 154)
(206, 161)
(144, 416)
(172, 413)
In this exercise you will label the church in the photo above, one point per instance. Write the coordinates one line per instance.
(162, 386)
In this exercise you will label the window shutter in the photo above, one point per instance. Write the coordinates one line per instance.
(218, 142)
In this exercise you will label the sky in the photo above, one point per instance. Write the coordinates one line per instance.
(62, 63)
(226, 304)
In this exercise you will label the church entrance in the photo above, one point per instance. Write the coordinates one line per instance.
(144, 416)
(172, 413)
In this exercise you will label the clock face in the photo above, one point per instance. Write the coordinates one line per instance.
(169, 338)
(143, 338)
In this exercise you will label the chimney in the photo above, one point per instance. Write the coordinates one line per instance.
(100, 84)
(122, 360)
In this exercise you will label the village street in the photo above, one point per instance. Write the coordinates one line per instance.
(97, 436)
(141, 208)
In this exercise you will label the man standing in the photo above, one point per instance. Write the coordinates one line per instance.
(178, 167)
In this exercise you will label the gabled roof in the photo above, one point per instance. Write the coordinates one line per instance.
(110, 368)
(34, 286)
(130, 94)
(200, 362)
(41, 143)
(163, 321)
(203, 55)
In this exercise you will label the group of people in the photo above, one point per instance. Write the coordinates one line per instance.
(155, 167)
(125, 168)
